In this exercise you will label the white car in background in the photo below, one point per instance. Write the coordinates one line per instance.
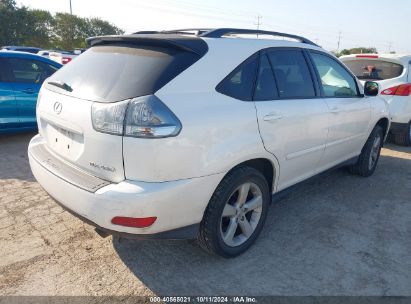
(172, 135)
(392, 73)
(46, 53)
(62, 57)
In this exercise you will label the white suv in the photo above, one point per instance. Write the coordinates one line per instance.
(392, 73)
(188, 135)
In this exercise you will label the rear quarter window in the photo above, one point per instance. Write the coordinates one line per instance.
(240, 82)
(117, 72)
(368, 69)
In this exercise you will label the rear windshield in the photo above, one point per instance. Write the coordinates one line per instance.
(374, 69)
(117, 72)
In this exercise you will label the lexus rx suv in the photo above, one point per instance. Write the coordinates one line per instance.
(392, 73)
(188, 133)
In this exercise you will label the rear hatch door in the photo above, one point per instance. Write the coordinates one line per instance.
(114, 70)
(65, 123)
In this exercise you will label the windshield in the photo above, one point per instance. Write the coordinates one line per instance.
(374, 69)
(112, 73)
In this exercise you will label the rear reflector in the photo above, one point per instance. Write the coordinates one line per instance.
(366, 56)
(133, 221)
(401, 90)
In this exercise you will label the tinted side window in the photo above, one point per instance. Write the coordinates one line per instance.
(336, 81)
(291, 74)
(266, 88)
(29, 70)
(239, 83)
(5, 73)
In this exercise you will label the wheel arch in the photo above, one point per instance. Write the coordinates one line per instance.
(384, 123)
(268, 167)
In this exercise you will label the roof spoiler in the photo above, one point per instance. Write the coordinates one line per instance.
(184, 43)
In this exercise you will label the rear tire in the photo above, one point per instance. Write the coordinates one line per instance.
(402, 139)
(370, 154)
(236, 213)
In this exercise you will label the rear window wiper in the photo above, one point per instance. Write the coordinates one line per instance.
(61, 85)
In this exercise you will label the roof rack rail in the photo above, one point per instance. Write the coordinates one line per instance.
(220, 32)
(198, 31)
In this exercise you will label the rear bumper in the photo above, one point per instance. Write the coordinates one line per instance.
(178, 205)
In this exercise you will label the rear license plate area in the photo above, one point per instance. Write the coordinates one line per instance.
(60, 140)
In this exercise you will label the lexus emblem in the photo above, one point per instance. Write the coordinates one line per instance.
(58, 107)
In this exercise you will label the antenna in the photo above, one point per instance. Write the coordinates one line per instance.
(259, 17)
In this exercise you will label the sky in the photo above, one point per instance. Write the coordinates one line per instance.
(378, 23)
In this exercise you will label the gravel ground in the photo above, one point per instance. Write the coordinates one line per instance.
(335, 234)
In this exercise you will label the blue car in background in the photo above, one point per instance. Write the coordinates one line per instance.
(21, 76)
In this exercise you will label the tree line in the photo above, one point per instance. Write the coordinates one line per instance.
(39, 28)
(358, 50)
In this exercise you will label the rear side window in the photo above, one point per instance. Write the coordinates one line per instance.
(369, 69)
(29, 70)
(5, 73)
(117, 72)
(239, 83)
(265, 88)
(335, 79)
(291, 74)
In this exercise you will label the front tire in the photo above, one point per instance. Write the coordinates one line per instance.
(370, 154)
(236, 213)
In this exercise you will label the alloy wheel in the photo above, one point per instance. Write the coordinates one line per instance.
(241, 214)
(375, 152)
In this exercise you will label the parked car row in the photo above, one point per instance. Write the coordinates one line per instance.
(60, 56)
(26, 49)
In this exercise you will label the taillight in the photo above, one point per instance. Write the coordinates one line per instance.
(401, 90)
(109, 117)
(65, 60)
(148, 117)
(404, 90)
(144, 117)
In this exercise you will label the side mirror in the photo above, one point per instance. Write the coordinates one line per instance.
(371, 88)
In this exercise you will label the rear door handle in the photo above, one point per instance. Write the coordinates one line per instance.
(28, 91)
(272, 117)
